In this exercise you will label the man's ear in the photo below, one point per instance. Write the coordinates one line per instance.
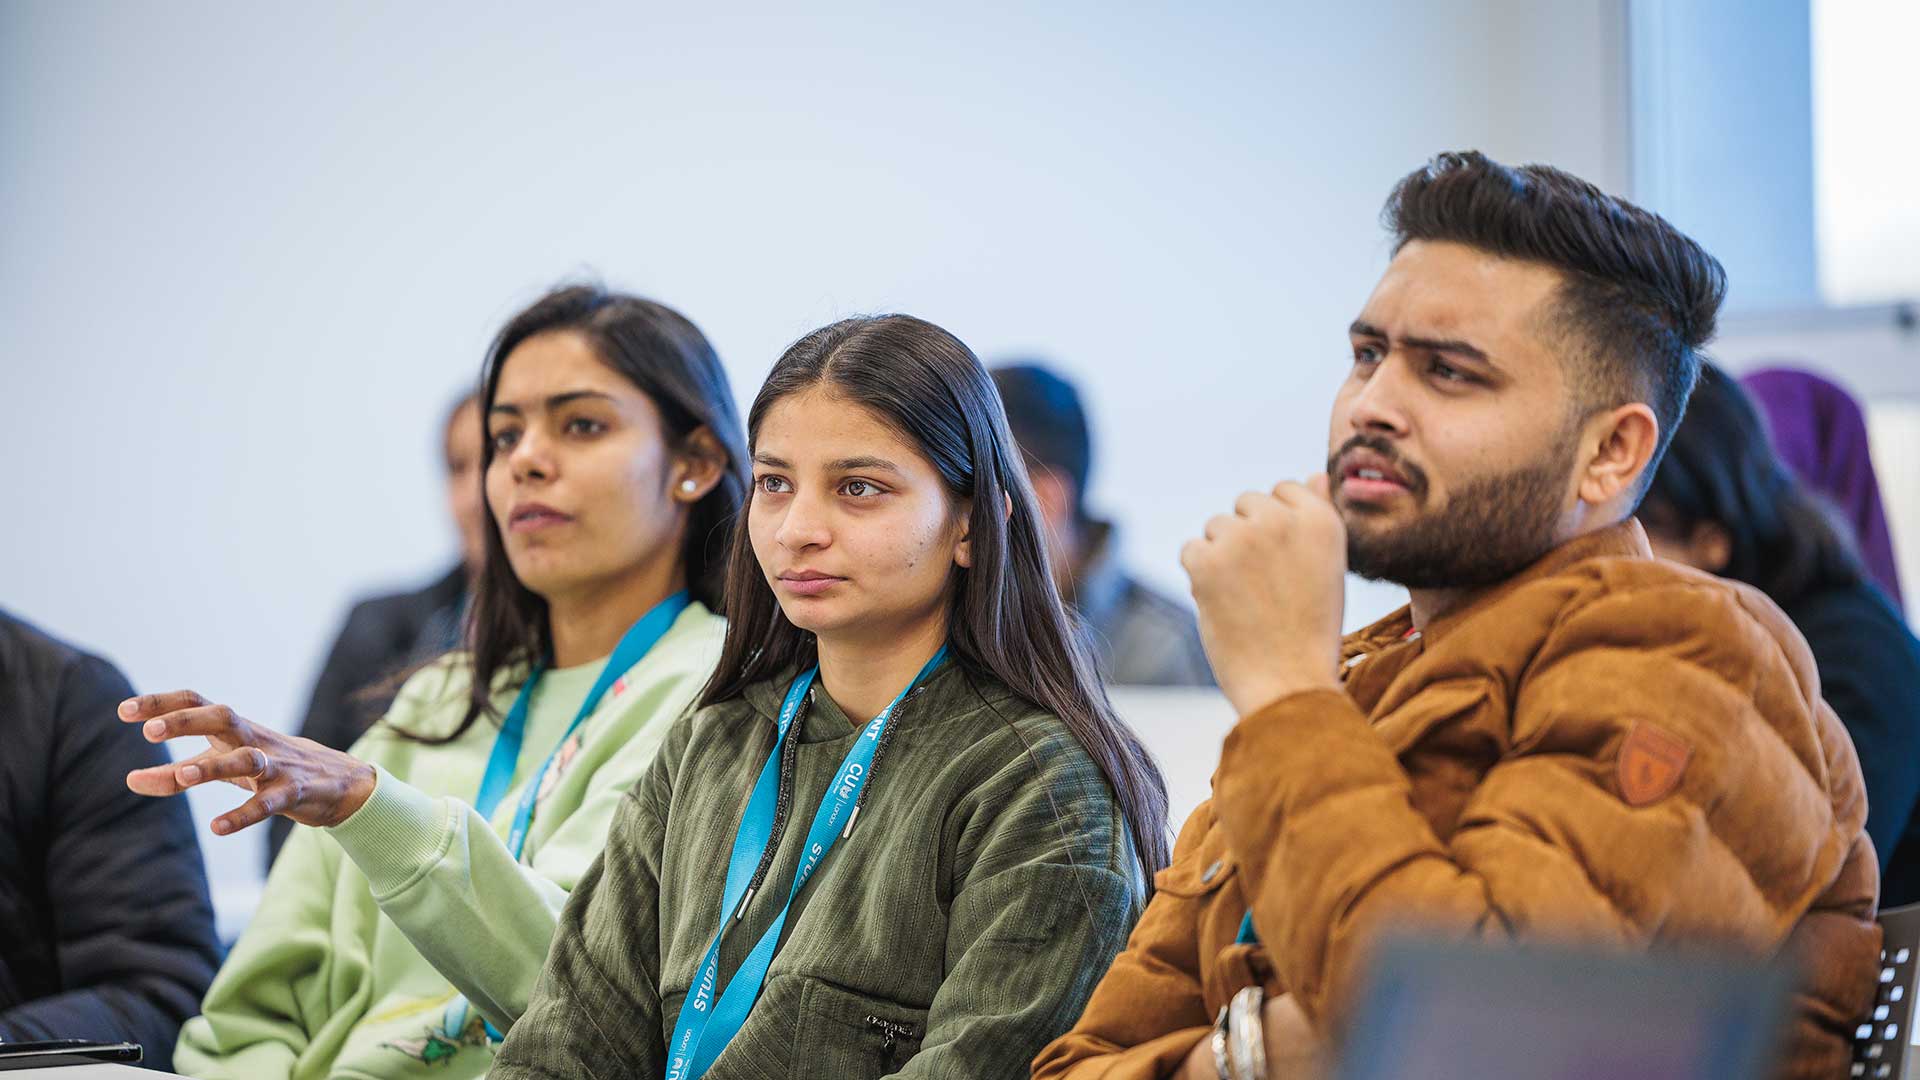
(1622, 442)
(698, 464)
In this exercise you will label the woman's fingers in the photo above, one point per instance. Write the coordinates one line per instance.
(148, 706)
(245, 763)
(269, 801)
(308, 782)
(159, 780)
(210, 721)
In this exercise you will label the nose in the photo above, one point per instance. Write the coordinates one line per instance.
(1378, 406)
(805, 525)
(531, 457)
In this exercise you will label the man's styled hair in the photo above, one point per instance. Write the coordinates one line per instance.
(1639, 299)
(1048, 422)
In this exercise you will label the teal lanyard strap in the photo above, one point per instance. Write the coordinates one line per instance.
(634, 645)
(705, 1026)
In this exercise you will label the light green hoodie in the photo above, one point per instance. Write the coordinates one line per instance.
(366, 930)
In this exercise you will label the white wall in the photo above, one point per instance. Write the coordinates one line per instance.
(251, 249)
(1864, 99)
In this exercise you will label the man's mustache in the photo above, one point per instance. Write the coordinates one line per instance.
(1414, 475)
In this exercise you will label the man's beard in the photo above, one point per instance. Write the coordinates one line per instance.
(1492, 528)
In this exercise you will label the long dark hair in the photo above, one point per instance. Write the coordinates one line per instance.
(1721, 468)
(663, 354)
(1007, 618)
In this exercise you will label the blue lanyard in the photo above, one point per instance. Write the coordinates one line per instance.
(635, 644)
(638, 641)
(694, 1048)
(1247, 935)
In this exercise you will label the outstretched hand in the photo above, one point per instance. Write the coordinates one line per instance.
(298, 778)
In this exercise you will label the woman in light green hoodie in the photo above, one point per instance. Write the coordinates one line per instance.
(402, 934)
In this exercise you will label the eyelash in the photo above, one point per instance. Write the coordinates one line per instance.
(1446, 373)
(765, 486)
(580, 425)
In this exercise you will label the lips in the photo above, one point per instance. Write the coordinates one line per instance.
(808, 582)
(534, 517)
(1364, 474)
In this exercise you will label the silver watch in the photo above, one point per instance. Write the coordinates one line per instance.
(1247, 1034)
(1219, 1040)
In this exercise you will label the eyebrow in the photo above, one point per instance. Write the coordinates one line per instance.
(553, 402)
(862, 464)
(848, 464)
(1450, 346)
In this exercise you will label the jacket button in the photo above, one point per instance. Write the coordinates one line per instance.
(1211, 873)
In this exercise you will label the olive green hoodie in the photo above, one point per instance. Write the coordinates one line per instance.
(987, 883)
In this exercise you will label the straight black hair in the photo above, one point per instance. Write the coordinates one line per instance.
(1722, 469)
(1007, 618)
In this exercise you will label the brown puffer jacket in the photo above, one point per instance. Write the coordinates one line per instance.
(1607, 749)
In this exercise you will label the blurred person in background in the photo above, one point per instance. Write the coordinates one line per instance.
(1562, 738)
(386, 635)
(1724, 502)
(108, 932)
(1821, 433)
(401, 933)
(1139, 635)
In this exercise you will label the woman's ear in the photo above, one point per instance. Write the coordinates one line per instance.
(698, 464)
(963, 548)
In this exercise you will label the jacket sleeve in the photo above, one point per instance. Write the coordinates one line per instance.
(1149, 1012)
(595, 1011)
(446, 879)
(1046, 893)
(133, 925)
(1319, 810)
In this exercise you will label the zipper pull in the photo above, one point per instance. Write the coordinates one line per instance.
(851, 818)
(744, 901)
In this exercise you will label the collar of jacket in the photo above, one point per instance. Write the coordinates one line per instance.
(1624, 540)
(947, 693)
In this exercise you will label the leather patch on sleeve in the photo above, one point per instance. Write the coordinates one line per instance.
(1652, 760)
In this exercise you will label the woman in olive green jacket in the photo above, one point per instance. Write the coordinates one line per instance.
(905, 835)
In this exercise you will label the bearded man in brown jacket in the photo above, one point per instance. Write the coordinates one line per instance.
(1562, 737)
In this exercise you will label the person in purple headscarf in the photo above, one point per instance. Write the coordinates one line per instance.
(1821, 433)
